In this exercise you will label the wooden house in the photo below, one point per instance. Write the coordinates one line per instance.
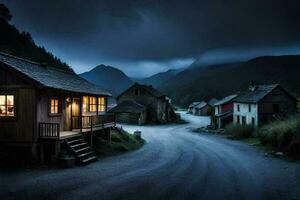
(263, 103)
(223, 112)
(203, 109)
(42, 107)
(191, 108)
(141, 104)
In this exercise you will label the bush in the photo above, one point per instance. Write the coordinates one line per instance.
(236, 131)
(282, 135)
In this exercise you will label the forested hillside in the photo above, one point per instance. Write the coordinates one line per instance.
(220, 80)
(21, 44)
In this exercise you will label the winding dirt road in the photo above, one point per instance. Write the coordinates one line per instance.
(174, 164)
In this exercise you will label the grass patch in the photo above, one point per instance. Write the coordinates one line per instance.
(237, 131)
(256, 142)
(282, 135)
(120, 143)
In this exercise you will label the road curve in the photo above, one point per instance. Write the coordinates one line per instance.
(174, 164)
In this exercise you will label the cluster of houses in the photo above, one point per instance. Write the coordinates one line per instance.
(202, 108)
(255, 106)
(44, 109)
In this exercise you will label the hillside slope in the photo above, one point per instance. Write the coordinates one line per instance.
(158, 79)
(109, 78)
(219, 80)
(22, 45)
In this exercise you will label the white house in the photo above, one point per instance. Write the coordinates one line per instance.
(261, 104)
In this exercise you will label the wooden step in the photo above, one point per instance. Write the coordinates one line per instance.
(78, 145)
(75, 141)
(86, 154)
(79, 150)
(89, 159)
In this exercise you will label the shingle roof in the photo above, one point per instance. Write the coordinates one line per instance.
(256, 94)
(151, 90)
(226, 99)
(201, 105)
(212, 101)
(128, 106)
(194, 104)
(148, 88)
(52, 77)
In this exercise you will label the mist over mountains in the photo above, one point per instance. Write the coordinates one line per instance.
(204, 82)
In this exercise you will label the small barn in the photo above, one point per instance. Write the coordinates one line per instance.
(191, 108)
(141, 104)
(263, 103)
(130, 112)
(203, 109)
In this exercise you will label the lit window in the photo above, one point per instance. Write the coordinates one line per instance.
(7, 105)
(101, 104)
(85, 104)
(54, 106)
(93, 104)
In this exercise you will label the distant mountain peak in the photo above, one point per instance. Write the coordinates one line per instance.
(109, 78)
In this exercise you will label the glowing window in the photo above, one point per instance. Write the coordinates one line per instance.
(85, 104)
(101, 104)
(93, 104)
(54, 106)
(7, 108)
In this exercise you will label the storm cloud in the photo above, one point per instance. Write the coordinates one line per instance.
(126, 33)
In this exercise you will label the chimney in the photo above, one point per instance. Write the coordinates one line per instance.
(252, 86)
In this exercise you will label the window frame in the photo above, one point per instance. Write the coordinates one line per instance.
(101, 105)
(59, 107)
(92, 104)
(9, 117)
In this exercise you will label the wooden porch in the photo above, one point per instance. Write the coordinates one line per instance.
(79, 125)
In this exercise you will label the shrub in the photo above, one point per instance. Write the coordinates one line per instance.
(283, 135)
(236, 131)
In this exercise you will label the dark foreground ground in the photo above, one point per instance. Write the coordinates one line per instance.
(173, 164)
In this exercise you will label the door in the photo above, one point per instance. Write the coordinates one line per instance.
(76, 113)
(243, 120)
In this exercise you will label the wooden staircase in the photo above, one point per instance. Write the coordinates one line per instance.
(81, 149)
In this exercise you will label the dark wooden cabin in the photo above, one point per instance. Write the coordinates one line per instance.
(261, 104)
(44, 106)
(142, 104)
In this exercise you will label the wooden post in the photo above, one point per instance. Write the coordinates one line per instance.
(91, 122)
(42, 153)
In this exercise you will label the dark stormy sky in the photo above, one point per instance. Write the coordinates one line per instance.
(143, 37)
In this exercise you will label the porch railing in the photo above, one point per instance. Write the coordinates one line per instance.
(49, 130)
(87, 122)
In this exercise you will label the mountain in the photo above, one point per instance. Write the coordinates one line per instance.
(158, 79)
(109, 78)
(20, 44)
(203, 83)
